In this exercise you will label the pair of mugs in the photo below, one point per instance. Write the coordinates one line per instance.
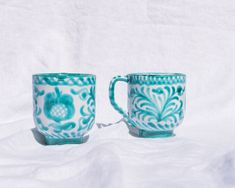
(64, 104)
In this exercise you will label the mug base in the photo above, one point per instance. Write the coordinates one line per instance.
(56, 141)
(155, 134)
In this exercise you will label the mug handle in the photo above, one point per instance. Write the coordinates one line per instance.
(112, 95)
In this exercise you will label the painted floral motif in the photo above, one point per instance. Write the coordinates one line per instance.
(158, 108)
(58, 106)
(87, 111)
(37, 110)
(37, 93)
(64, 106)
(82, 93)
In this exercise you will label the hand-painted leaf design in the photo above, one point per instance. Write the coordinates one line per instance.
(87, 111)
(158, 108)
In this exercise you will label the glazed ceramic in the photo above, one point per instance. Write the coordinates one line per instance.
(156, 102)
(64, 106)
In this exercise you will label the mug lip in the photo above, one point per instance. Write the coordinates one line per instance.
(156, 74)
(63, 75)
(64, 79)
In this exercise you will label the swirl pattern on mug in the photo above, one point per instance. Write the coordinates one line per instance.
(157, 107)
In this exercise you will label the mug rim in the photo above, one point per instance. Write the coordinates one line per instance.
(65, 79)
(63, 75)
(156, 74)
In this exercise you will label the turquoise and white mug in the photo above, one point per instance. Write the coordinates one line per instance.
(156, 102)
(64, 106)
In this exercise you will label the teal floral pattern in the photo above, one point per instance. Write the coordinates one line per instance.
(87, 111)
(36, 109)
(156, 108)
(58, 106)
(64, 106)
(36, 93)
(156, 102)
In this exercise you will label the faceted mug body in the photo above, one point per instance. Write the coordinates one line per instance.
(64, 106)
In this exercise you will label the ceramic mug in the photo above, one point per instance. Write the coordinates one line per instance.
(64, 106)
(156, 102)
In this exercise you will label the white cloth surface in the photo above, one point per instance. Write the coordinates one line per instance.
(113, 37)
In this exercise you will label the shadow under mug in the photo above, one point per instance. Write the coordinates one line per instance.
(156, 103)
(64, 106)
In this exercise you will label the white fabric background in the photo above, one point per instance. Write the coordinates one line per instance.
(107, 38)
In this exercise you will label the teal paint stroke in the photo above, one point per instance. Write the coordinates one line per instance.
(58, 106)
